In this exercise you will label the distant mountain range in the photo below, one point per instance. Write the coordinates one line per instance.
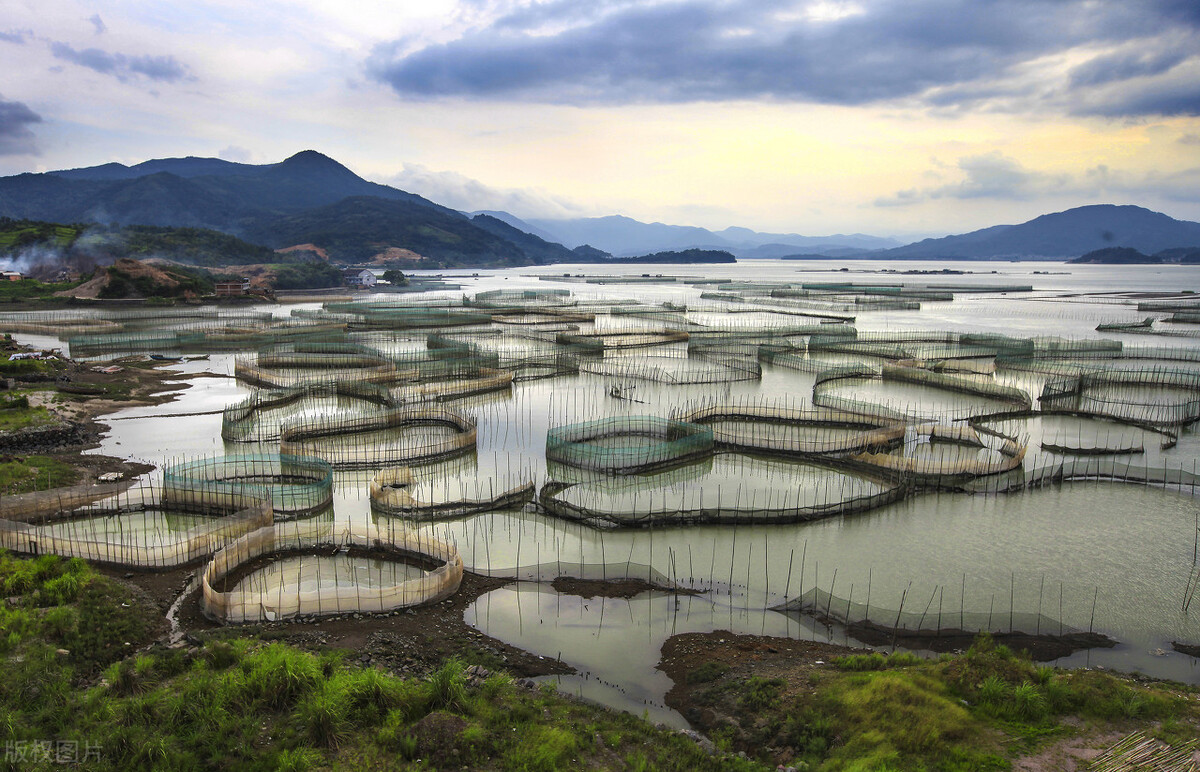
(1066, 234)
(311, 200)
(622, 236)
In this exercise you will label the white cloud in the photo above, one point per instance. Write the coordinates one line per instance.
(466, 194)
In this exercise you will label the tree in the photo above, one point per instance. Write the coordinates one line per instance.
(394, 277)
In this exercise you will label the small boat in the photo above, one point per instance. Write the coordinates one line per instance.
(199, 358)
(165, 358)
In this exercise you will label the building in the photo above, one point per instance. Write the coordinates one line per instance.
(231, 289)
(11, 275)
(359, 277)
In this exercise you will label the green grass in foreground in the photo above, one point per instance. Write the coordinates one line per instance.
(72, 673)
(976, 711)
(77, 670)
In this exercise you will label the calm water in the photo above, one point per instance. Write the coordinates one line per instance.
(1127, 550)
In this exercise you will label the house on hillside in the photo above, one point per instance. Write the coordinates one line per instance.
(359, 277)
(11, 276)
(231, 289)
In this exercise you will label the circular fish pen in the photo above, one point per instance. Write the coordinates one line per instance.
(298, 485)
(138, 528)
(393, 488)
(403, 435)
(286, 571)
(260, 417)
(627, 444)
(789, 431)
(728, 488)
(619, 339)
(303, 364)
(695, 369)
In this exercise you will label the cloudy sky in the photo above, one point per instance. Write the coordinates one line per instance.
(906, 117)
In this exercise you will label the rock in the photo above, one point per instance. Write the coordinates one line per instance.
(437, 732)
(705, 744)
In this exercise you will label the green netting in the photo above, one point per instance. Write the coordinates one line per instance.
(695, 369)
(786, 430)
(627, 444)
(394, 492)
(978, 387)
(297, 485)
(1174, 401)
(401, 435)
(616, 339)
(260, 416)
(314, 363)
(140, 527)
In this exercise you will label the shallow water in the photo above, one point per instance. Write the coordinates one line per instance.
(1126, 550)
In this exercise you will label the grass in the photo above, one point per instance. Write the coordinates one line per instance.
(242, 703)
(77, 666)
(974, 711)
(23, 474)
(17, 414)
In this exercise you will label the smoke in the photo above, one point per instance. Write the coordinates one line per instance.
(45, 260)
(34, 260)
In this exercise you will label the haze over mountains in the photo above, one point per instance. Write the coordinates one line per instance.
(311, 199)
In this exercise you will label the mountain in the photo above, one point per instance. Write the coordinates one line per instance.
(1117, 256)
(536, 248)
(518, 223)
(625, 236)
(190, 192)
(745, 238)
(358, 228)
(1061, 235)
(308, 198)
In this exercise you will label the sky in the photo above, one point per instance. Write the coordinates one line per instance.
(891, 117)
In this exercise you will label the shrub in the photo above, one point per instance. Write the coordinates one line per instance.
(59, 623)
(542, 749)
(860, 662)
(372, 694)
(323, 714)
(761, 693)
(447, 688)
(993, 690)
(709, 671)
(279, 675)
(1029, 702)
(297, 760)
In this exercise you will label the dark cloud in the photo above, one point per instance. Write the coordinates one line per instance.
(1105, 69)
(1171, 96)
(16, 138)
(579, 51)
(98, 24)
(15, 35)
(1190, 139)
(160, 68)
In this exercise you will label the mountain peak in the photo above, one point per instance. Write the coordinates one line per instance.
(310, 158)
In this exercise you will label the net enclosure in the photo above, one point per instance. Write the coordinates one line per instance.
(297, 485)
(627, 444)
(230, 598)
(142, 527)
(392, 492)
